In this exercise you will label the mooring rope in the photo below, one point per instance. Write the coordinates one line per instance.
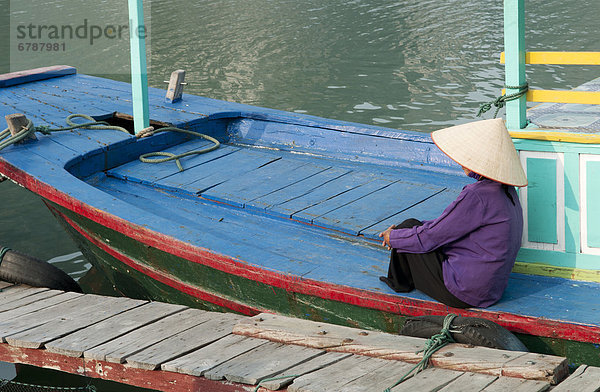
(6, 139)
(500, 102)
(432, 345)
(3, 251)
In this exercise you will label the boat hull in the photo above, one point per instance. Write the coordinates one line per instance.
(143, 271)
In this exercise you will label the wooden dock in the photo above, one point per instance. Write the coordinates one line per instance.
(174, 348)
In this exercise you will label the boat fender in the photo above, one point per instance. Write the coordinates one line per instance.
(16, 267)
(466, 330)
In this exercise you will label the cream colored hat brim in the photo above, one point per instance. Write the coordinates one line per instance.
(484, 147)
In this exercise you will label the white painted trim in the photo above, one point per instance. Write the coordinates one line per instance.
(583, 160)
(560, 201)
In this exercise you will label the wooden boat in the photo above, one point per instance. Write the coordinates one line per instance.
(284, 216)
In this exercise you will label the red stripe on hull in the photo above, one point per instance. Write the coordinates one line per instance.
(384, 302)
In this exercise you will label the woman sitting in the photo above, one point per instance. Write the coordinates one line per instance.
(465, 256)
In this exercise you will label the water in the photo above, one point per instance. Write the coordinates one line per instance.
(408, 64)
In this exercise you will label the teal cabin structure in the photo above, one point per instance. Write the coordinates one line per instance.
(558, 142)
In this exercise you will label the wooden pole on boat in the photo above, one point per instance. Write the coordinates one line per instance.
(514, 47)
(139, 73)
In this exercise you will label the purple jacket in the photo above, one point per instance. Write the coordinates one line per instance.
(480, 234)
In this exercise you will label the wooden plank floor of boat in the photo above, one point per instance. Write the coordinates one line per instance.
(171, 347)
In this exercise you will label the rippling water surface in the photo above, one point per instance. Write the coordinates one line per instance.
(418, 65)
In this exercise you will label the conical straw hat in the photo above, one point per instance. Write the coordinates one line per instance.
(484, 147)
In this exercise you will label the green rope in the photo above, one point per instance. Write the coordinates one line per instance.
(273, 379)
(173, 157)
(4, 382)
(500, 102)
(432, 345)
(6, 139)
(4, 250)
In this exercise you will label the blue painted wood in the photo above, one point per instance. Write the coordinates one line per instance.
(530, 295)
(297, 189)
(428, 209)
(541, 200)
(375, 207)
(70, 101)
(202, 177)
(262, 181)
(392, 152)
(137, 170)
(20, 77)
(593, 203)
(323, 193)
(323, 207)
(249, 233)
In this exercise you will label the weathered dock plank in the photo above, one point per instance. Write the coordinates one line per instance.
(334, 377)
(4, 285)
(200, 361)
(502, 363)
(262, 362)
(9, 297)
(73, 320)
(22, 300)
(469, 382)
(171, 347)
(119, 349)
(584, 379)
(218, 326)
(280, 380)
(380, 378)
(75, 344)
(34, 314)
(429, 380)
(511, 384)
(386, 346)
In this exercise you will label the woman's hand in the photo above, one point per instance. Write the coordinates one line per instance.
(386, 236)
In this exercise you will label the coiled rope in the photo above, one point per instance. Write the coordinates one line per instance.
(6, 139)
(500, 102)
(432, 345)
(176, 157)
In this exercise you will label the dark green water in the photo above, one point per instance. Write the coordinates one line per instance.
(419, 65)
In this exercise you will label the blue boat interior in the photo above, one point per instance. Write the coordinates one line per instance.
(286, 192)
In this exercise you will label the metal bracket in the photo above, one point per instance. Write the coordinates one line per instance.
(175, 89)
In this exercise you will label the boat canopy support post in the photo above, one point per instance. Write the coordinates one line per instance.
(514, 47)
(139, 73)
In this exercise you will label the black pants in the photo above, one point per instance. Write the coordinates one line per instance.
(408, 271)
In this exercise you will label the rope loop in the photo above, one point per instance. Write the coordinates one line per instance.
(147, 158)
(500, 102)
(432, 345)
